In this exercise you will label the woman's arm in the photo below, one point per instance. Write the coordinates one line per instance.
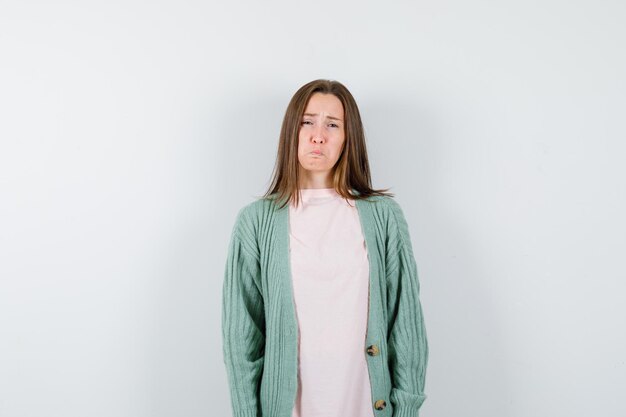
(243, 319)
(406, 341)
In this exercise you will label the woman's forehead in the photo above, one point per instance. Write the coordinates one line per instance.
(327, 104)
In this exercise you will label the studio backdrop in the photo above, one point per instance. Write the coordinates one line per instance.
(131, 133)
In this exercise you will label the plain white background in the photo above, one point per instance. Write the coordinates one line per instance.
(132, 132)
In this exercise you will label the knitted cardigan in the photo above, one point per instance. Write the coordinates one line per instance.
(259, 323)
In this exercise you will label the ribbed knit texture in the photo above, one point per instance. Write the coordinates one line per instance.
(259, 326)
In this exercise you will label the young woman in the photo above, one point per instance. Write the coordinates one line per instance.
(321, 314)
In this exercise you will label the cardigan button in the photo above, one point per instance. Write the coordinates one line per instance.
(380, 404)
(372, 350)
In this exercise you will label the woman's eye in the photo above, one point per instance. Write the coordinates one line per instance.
(306, 121)
(334, 125)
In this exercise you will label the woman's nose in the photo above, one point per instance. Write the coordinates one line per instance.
(318, 134)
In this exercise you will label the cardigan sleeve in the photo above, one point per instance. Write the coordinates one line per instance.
(406, 341)
(243, 319)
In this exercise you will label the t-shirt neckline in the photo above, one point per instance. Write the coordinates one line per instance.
(318, 194)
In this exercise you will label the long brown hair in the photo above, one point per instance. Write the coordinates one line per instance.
(350, 173)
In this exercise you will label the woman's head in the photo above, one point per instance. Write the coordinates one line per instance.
(322, 116)
(321, 138)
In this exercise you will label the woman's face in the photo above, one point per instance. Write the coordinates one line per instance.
(321, 135)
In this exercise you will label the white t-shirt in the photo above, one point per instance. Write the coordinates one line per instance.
(330, 276)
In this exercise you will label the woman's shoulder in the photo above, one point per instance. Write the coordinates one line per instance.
(259, 206)
(253, 212)
(389, 213)
(386, 205)
(393, 206)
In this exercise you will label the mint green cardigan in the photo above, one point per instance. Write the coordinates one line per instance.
(259, 324)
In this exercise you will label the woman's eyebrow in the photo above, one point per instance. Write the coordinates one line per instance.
(328, 117)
